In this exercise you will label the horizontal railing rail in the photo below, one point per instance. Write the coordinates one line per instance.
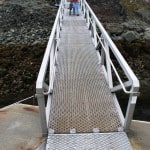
(100, 36)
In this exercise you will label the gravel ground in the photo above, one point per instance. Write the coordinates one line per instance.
(26, 22)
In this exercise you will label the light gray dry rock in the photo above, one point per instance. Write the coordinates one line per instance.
(145, 14)
(114, 28)
(130, 36)
(147, 34)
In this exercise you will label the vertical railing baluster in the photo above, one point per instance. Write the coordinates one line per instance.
(91, 25)
(60, 21)
(87, 18)
(52, 54)
(94, 33)
(108, 65)
(102, 53)
(130, 111)
(57, 31)
(81, 4)
(84, 12)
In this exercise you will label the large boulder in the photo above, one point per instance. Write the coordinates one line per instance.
(130, 36)
(135, 25)
(144, 13)
(114, 28)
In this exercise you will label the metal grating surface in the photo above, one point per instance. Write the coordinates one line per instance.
(74, 30)
(92, 141)
(74, 27)
(74, 23)
(81, 97)
(75, 39)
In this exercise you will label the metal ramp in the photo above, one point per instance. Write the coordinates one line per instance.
(82, 101)
(81, 97)
(82, 110)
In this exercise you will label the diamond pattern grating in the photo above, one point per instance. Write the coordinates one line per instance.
(94, 141)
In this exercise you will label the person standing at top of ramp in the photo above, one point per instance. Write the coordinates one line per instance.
(71, 7)
(76, 6)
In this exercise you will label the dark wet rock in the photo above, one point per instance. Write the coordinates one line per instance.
(3, 72)
(146, 46)
(21, 64)
(133, 49)
(145, 86)
(108, 11)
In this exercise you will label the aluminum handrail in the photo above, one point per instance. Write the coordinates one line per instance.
(48, 59)
(116, 72)
(127, 70)
(107, 45)
(119, 78)
(49, 87)
(43, 68)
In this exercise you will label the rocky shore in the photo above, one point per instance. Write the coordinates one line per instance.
(128, 24)
(25, 29)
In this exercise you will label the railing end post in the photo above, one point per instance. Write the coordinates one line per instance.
(130, 112)
(41, 104)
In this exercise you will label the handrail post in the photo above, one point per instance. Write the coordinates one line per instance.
(108, 66)
(102, 52)
(130, 111)
(84, 12)
(94, 33)
(107, 45)
(41, 104)
(81, 4)
(52, 65)
(57, 31)
(87, 18)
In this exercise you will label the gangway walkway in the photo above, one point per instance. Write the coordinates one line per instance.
(81, 97)
(82, 110)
